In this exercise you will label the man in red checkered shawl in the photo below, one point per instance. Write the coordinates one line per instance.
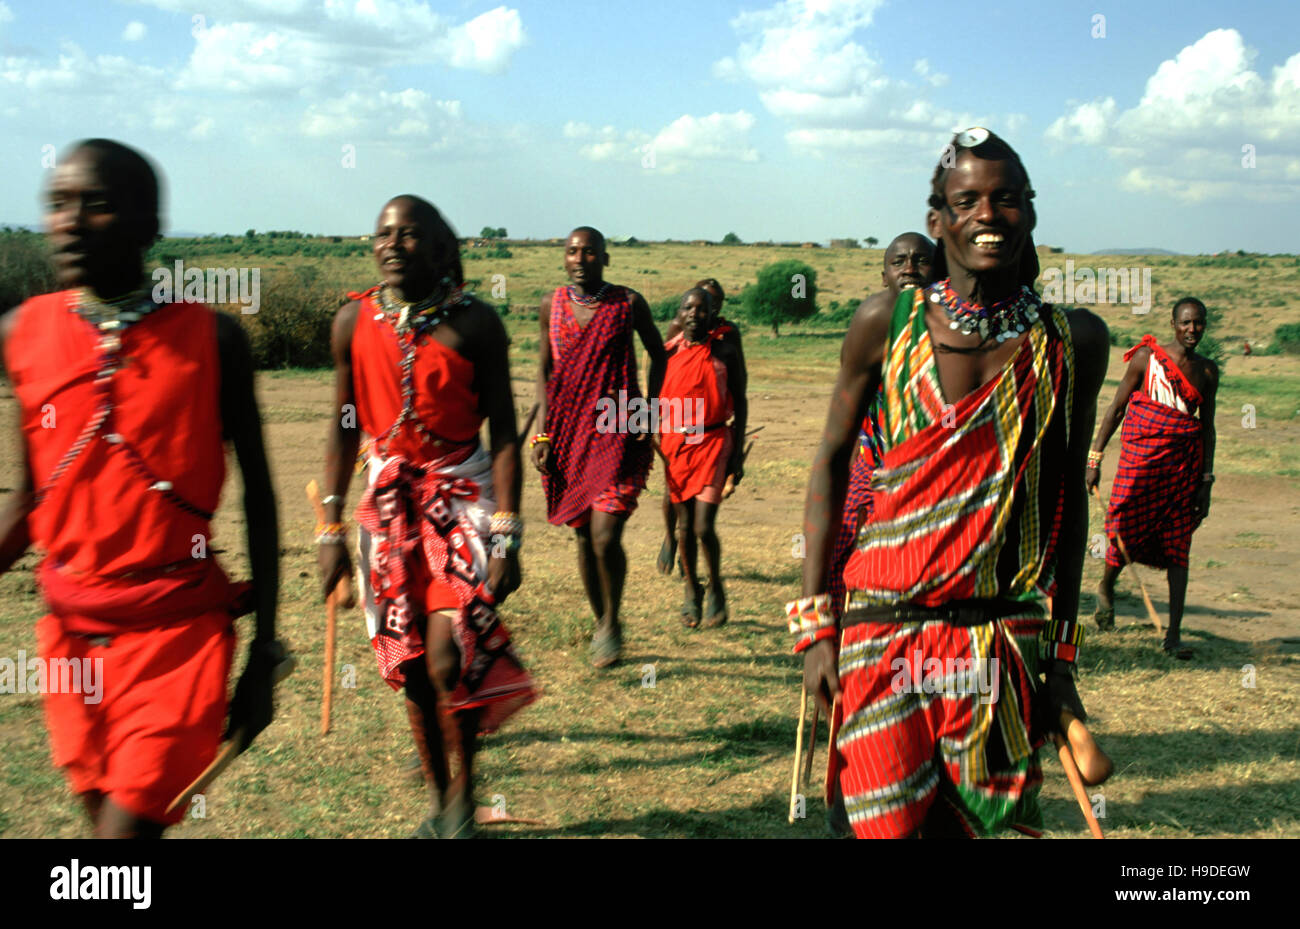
(593, 464)
(1166, 466)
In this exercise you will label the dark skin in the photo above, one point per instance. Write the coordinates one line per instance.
(696, 519)
(1188, 326)
(736, 467)
(602, 563)
(413, 259)
(99, 235)
(983, 197)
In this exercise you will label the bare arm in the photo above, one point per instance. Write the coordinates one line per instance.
(1131, 381)
(242, 424)
(644, 324)
(541, 452)
(737, 387)
(341, 442)
(1208, 436)
(497, 404)
(14, 535)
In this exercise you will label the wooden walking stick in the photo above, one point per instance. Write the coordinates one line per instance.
(342, 593)
(1073, 774)
(798, 752)
(1128, 562)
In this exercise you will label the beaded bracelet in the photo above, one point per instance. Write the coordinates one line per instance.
(811, 619)
(1094, 459)
(331, 533)
(503, 523)
(1062, 640)
(540, 437)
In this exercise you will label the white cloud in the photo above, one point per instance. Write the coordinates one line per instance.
(716, 137)
(377, 116)
(6, 14)
(134, 31)
(487, 42)
(804, 60)
(1185, 137)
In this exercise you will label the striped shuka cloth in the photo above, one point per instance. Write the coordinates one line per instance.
(967, 503)
(1152, 501)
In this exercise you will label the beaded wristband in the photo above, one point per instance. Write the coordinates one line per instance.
(811, 619)
(503, 523)
(1062, 639)
(331, 534)
(540, 437)
(1094, 458)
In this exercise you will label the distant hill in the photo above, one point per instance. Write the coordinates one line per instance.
(1136, 251)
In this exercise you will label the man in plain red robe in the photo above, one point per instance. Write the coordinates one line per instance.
(125, 402)
(703, 387)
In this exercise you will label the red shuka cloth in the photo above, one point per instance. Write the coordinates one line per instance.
(694, 391)
(445, 401)
(590, 363)
(118, 553)
(1152, 501)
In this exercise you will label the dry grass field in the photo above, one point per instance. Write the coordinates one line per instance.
(706, 750)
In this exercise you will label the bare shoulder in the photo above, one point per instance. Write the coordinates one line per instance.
(869, 329)
(1088, 331)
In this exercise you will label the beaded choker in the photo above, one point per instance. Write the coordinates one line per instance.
(423, 314)
(1004, 320)
(115, 314)
(590, 299)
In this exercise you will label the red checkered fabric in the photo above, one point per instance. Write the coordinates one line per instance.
(592, 362)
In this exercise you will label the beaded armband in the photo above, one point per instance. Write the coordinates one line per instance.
(538, 439)
(1062, 639)
(331, 534)
(811, 619)
(507, 524)
(1094, 459)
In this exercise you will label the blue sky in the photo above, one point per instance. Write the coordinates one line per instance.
(775, 119)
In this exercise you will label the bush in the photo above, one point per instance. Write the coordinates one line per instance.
(25, 268)
(1286, 338)
(1213, 349)
(291, 328)
(785, 291)
(666, 309)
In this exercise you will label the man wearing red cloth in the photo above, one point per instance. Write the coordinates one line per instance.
(978, 514)
(419, 365)
(594, 465)
(125, 403)
(703, 387)
(1166, 466)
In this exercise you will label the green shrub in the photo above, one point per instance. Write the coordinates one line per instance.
(666, 309)
(291, 328)
(1286, 338)
(25, 268)
(785, 292)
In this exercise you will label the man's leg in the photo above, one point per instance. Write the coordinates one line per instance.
(589, 571)
(611, 566)
(668, 551)
(690, 563)
(461, 729)
(1177, 599)
(426, 729)
(1105, 614)
(116, 823)
(706, 515)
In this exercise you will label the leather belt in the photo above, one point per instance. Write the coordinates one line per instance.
(956, 613)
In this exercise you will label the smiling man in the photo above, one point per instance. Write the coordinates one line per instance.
(419, 364)
(592, 476)
(978, 514)
(124, 406)
(1166, 465)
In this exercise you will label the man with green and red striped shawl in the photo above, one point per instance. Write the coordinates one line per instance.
(978, 516)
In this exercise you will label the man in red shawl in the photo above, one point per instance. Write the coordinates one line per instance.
(703, 387)
(978, 514)
(419, 364)
(1166, 464)
(124, 405)
(731, 335)
(594, 449)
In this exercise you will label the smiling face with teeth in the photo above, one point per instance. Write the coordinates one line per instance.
(408, 250)
(985, 221)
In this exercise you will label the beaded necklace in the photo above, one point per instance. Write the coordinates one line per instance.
(409, 320)
(591, 299)
(1003, 320)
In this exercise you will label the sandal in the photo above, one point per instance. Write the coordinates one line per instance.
(715, 608)
(1104, 618)
(606, 648)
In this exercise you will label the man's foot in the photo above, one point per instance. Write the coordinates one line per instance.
(606, 647)
(456, 821)
(1178, 650)
(1104, 615)
(427, 829)
(715, 608)
(667, 556)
